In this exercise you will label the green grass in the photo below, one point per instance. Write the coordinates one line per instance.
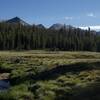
(45, 75)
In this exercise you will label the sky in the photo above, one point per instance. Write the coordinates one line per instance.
(79, 13)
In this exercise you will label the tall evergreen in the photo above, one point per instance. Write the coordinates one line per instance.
(20, 37)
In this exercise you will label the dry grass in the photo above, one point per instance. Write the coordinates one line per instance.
(49, 58)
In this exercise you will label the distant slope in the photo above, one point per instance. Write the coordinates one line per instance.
(98, 32)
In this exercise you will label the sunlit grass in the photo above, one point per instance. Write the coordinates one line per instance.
(23, 67)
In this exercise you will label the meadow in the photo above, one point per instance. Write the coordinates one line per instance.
(50, 75)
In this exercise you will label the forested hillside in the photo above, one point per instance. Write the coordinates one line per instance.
(21, 37)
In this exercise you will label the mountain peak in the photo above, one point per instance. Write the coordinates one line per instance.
(17, 20)
(41, 26)
(60, 26)
(56, 26)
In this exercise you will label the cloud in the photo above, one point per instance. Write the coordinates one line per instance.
(91, 27)
(91, 15)
(68, 18)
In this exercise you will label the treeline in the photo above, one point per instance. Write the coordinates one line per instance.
(19, 37)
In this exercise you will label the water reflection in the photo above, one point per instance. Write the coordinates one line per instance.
(4, 84)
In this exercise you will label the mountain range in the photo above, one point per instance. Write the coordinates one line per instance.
(56, 26)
